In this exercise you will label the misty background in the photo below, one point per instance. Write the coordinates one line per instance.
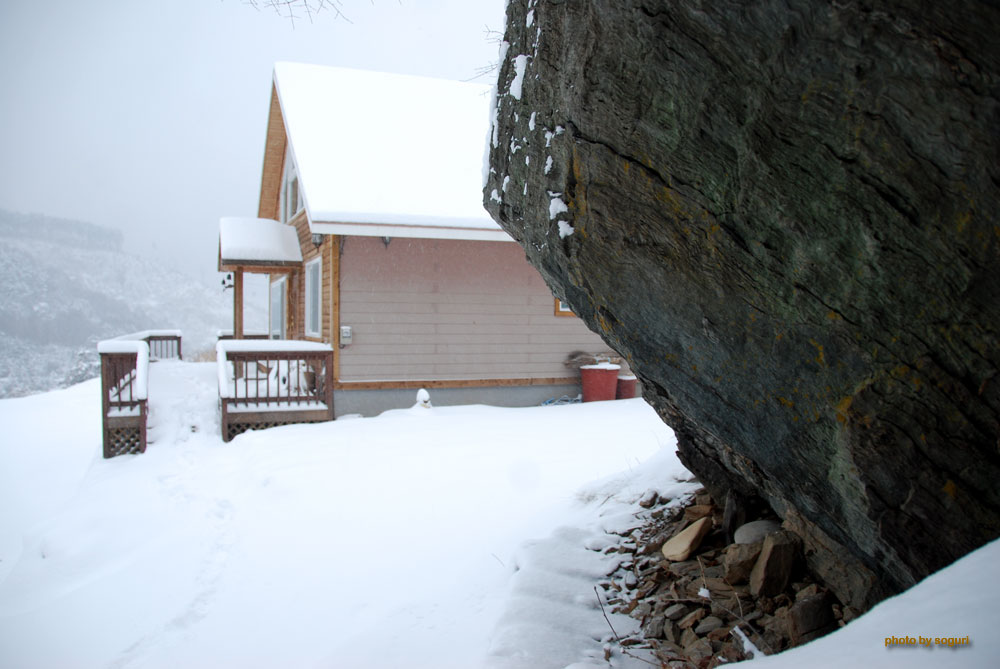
(145, 120)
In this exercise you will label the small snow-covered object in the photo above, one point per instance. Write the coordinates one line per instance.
(423, 399)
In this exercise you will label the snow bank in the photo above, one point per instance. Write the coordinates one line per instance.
(956, 602)
(444, 537)
(374, 542)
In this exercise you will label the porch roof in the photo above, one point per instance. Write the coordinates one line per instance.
(258, 242)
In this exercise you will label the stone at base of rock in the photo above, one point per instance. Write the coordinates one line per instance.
(698, 511)
(750, 533)
(707, 625)
(773, 571)
(680, 547)
(810, 614)
(675, 612)
(699, 650)
(691, 619)
(740, 560)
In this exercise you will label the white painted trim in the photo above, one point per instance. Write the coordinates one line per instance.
(282, 285)
(410, 231)
(317, 298)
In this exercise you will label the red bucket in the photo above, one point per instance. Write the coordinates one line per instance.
(600, 382)
(626, 388)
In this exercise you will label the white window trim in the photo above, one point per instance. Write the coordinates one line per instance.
(290, 174)
(318, 332)
(281, 285)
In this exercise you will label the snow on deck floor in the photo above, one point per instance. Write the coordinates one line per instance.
(450, 537)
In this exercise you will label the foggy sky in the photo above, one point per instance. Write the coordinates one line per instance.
(149, 115)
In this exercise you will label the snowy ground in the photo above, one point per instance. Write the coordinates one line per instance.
(449, 537)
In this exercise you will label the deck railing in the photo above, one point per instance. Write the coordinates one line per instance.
(163, 344)
(228, 335)
(124, 386)
(265, 383)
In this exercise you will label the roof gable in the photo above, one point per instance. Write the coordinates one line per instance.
(274, 158)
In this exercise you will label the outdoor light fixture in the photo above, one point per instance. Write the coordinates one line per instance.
(317, 239)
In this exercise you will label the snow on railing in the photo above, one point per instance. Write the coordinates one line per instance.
(273, 382)
(247, 334)
(124, 390)
(133, 384)
(163, 344)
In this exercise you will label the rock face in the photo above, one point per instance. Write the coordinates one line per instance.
(786, 217)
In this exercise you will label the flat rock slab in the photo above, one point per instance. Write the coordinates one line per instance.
(773, 570)
(680, 547)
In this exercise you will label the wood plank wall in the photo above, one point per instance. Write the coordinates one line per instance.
(448, 309)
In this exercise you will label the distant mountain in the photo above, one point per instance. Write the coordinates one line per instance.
(67, 285)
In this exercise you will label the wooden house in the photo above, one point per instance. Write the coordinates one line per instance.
(402, 270)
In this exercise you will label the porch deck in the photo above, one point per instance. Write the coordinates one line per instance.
(269, 383)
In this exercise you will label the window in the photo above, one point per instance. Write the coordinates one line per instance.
(277, 318)
(562, 309)
(314, 284)
(291, 197)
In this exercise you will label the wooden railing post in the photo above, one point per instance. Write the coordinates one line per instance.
(123, 406)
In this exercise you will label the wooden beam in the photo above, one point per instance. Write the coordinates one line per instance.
(454, 383)
(335, 304)
(238, 304)
(258, 266)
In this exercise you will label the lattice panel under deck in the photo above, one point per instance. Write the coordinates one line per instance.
(234, 429)
(124, 440)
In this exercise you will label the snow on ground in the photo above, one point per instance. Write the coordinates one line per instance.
(387, 541)
(443, 537)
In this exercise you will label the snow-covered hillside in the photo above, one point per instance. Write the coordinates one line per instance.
(68, 284)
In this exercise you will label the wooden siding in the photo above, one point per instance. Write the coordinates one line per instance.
(274, 159)
(426, 309)
(296, 316)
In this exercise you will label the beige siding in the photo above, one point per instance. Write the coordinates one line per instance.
(447, 309)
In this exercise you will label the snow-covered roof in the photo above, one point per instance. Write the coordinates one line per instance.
(387, 154)
(248, 240)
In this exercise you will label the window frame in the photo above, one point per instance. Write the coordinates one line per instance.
(315, 304)
(279, 287)
(562, 309)
(291, 190)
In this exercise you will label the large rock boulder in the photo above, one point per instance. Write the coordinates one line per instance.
(786, 217)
